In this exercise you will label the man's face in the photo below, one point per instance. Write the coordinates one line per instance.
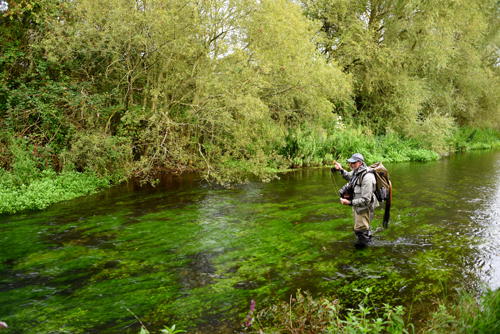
(355, 165)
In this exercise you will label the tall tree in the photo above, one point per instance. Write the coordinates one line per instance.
(217, 81)
(416, 65)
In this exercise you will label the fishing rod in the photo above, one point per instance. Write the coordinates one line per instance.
(332, 179)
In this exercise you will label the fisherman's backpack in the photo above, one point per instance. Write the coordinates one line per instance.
(383, 190)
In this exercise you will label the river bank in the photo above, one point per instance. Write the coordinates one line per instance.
(30, 185)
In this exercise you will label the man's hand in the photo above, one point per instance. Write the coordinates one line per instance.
(344, 201)
(337, 165)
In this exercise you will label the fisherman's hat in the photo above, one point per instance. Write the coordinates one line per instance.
(356, 157)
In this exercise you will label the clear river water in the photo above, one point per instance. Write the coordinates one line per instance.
(192, 254)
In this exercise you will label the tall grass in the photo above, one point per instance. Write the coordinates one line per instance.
(467, 315)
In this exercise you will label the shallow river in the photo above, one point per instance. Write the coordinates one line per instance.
(194, 255)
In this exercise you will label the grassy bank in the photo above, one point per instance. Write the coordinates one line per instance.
(467, 314)
(307, 147)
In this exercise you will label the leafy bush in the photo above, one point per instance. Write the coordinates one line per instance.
(107, 156)
(305, 314)
(24, 166)
(302, 314)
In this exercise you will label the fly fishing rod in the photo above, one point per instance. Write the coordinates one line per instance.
(334, 183)
(332, 179)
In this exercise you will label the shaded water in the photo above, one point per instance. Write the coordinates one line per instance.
(190, 254)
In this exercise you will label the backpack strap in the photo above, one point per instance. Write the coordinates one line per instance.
(363, 175)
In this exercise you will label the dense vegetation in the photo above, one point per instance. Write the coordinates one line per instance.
(305, 314)
(116, 88)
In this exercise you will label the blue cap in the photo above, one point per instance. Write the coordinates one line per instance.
(356, 157)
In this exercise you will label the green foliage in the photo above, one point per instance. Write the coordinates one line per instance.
(32, 89)
(422, 155)
(467, 314)
(305, 314)
(302, 314)
(197, 96)
(360, 321)
(308, 315)
(48, 188)
(314, 145)
(167, 330)
(433, 133)
(241, 88)
(24, 166)
(32, 184)
(108, 157)
(469, 138)
(172, 330)
(412, 62)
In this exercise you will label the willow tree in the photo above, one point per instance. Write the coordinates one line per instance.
(209, 83)
(418, 66)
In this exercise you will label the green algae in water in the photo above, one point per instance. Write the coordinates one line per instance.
(196, 255)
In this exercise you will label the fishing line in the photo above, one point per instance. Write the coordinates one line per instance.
(334, 183)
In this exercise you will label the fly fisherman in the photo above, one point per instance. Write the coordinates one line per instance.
(364, 201)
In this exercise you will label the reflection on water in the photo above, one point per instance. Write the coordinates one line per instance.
(192, 254)
(486, 226)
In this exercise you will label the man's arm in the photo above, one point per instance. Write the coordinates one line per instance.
(346, 175)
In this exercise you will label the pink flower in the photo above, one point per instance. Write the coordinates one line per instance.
(249, 323)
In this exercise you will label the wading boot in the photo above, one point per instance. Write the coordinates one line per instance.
(368, 235)
(364, 238)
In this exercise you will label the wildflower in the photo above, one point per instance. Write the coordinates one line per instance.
(249, 321)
